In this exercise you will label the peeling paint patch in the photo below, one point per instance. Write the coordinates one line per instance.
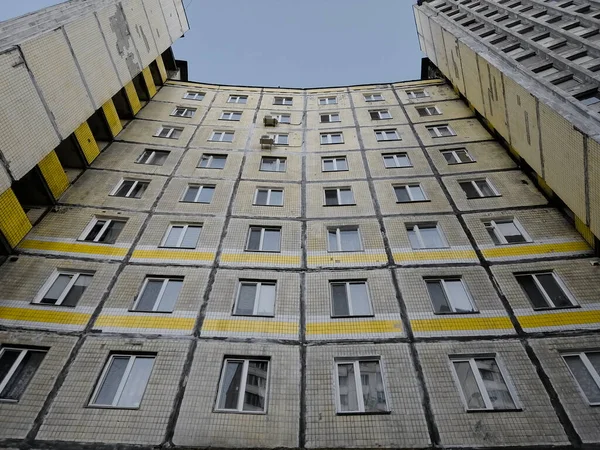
(124, 43)
(140, 32)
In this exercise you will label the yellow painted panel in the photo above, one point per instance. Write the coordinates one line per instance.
(14, 223)
(112, 117)
(87, 142)
(149, 81)
(36, 315)
(134, 321)
(585, 232)
(367, 326)
(348, 258)
(560, 319)
(134, 100)
(250, 326)
(461, 323)
(161, 68)
(535, 249)
(433, 255)
(73, 247)
(267, 258)
(54, 174)
(544, 186)
(174, 254)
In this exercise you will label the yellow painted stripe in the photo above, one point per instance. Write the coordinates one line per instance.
(149, 81)
(134, 100)
(258, 258)
(250, 326)
(435, 255)
(174, 254)
(461, 324)
(14, 223)
(559, 319)
(36, 315)
(73, 247)
(87, 142)
(54, 174)
(367, 326)
(133, 321)
(584, 230)
(112, 118)
(535, 249)
(161, 68)
(347, 258)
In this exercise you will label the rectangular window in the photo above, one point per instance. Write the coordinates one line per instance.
(153, 157)
(199, 194)
(328, 101)
(283, 118)
(330, 118)
(589, 99)
(417, 93)
(283, 101)
(449, 295)
(395, 160)
(387, 135)
(585, 368)
(334, 164)
(212, 161)
(482, 385)
(268, 197)
(244, 385)
(457, 156)
(350, 298)
(64, 288)
(281, 139)
(241, 99)
(231, 115)
(221, 136)
(409, 193)
(425, 111)
(256, 298)
(339, 196)
(194, 95)
(158, 294)
(343, 239)
(380, 114)
(332, 138)
(17, 368)
(425, 235)
(506, 231)
(169, 132)
(103, 230)
(263, 239)
(545, 290)
(478, 188)
(123, 381)
(360, 387)
(373, 97)
(440, 131)
(182, 236)
(182, 111)
(268, 164)
(130, 188)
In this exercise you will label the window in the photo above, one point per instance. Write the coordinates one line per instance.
(17, 368)
(334, 164)
(244, 385)
(194, 95)
(328, 101)
(506, 231)
(417, 93)
(440, 131)
(242, 99)
(283, 118)
(332, 138)
(478, 188)
(123, 381)
(380, 114)
(339, 196)
(268, 164)
(182, 111)
(409, 193)
(350, 298)
(394, 160)
(449, 295)
(428, 111)
(158, 294)
(457, 156)
(199, 194)
(387, 135)
(281, 139)
(231, 115)
(585, 368)
(545, 290)
(212, 161)
(283, 101)
(360, 386)
(373, 97)
(329, 118)
(221, 136)
(103, 230)
(64, 288)
(182, 236)
(268, 197)
(590, 99)
(130, 188)
(425, 235)
(169, 132)
(263, 239)
(255, 298)
(153, 157)
(343, 239)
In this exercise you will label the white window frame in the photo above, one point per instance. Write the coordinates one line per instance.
(180, 240)
(194, 95)
(587, 364)
(169, 132)
(184, 112)
(329, 138)
(542, 291)
(283, 136)
(231, 116)
(50, 281)
(152, 154)
(221, 134)
(269, 192)
(327, 101)
(15, 366)
(493, 226)
(262, 239)
(278, 161)
(381, 113)
(416, 93)
(416, 228)
(339, 196)
(374, 97)
(161, 293)
(442, 281)
(358, 384)
(430, 110)
(335, 163)
(454, 154)
(280, 117)
(211, 158)
(243, 382)
(383, 135)
(396, 160)
(283, 101)
(201, 187)
(338, 238)
(238, 99)
(133, 186)
(102, 231)
(436, 131)
(258, 285)
(332, 118)
(347, 284)
(410, 196)
(474, 184)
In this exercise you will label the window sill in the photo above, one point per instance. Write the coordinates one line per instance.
(254, 315)
(353, 317)
(134, 311)
(513, 243)
(231, 411)
(472, 411)
(400, 167)
(164, 137)
(146, 164)
(335, 252)
(389, 140)
(50, 305)
(134, 408)
(414, 201)
(345, 204)
(92, 242)
(270, 206)
(371, 413)
(194, 203)
(485, 196)
(461, 163)
(262, 251)
(329, 171)
(177, 248)
(552, 308)
(332, 143)
(453, 313)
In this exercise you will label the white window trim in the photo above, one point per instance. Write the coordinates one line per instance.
(347, 284)
(382, 135)
(229, 115)
(339, 196)
(331, 117)
(262, 239)
(170, 131)
(195, 95)
(184, 112)
(449, 298)
(372, 97)
(153, 154)
(200, 188)
(410, 196)
(160, 295)
(474, 184)
(327, 101)
(102, 231)
(412, 93)
(13, 368)
(588, 365)
(335, 163)
(438, 134)
(329, 138)
(281, 135)
(243, 381)
(280, 117)
(269, 192)
(428, 109)
(417, 229)
(549, 301)
(237, 98)
(258, 285)
(455, 155)
(284, 101)
(211, 158)
(181, 237)
(222, 135)
(358, 384)
(133, 186)
(50, 281)
(380, 112)
(277, 164)
(396, 160)
(338, 238)
(500, 236)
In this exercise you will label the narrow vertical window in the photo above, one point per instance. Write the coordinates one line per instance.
(17, 368)
(360, 386)
(585, 368)
(256, 298)
(64, 288)
(449, 295)
(350, 298)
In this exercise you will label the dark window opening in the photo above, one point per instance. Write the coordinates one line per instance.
(155, 74)
(122, 106)
(33, 194)
(100, 129)
(141, 88)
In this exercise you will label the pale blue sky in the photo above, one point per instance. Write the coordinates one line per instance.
(290, 43)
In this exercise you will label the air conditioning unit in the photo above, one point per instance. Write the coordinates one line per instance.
(270, 121)
(266, 141)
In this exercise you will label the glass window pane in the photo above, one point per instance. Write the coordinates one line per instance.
(431, 237)
(450, 159)
(350, 240)
(342, 164)
(584, 378)
(136, 382)
(494, 384)
(112, 232)
(389, 161)
(332, 241)
(372, 386)
(536, 298)
(402, 194)
(467, 381)
(346, 197)
(553, 289)
(149, 296)
(340, 302)
(8, 358)
(160, 158)
(359, 299)
(254, 240)
(328, 165)
(230, 385)
(271, 241)
(403, 160)
(191, 236)
(463, 156)
(469, 189)
(206, 194)
(256, 386)
(594, 358)
(95, 230)
(218, 162)
(173, 236)
(266, 301)
(23, 375)
(77, 290)
(124, 188)
(331, 197)
(190, 194)
(413, 238)
(261, 196)
(246, 297)
(267, 164)
(170, 296)
(277, 198)
(112, 379)
(336, 138)
(438, 297)
(347, 387)
(417, 193)
(57, 288)
(510, 231)
(485, 188)
(458, 296)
